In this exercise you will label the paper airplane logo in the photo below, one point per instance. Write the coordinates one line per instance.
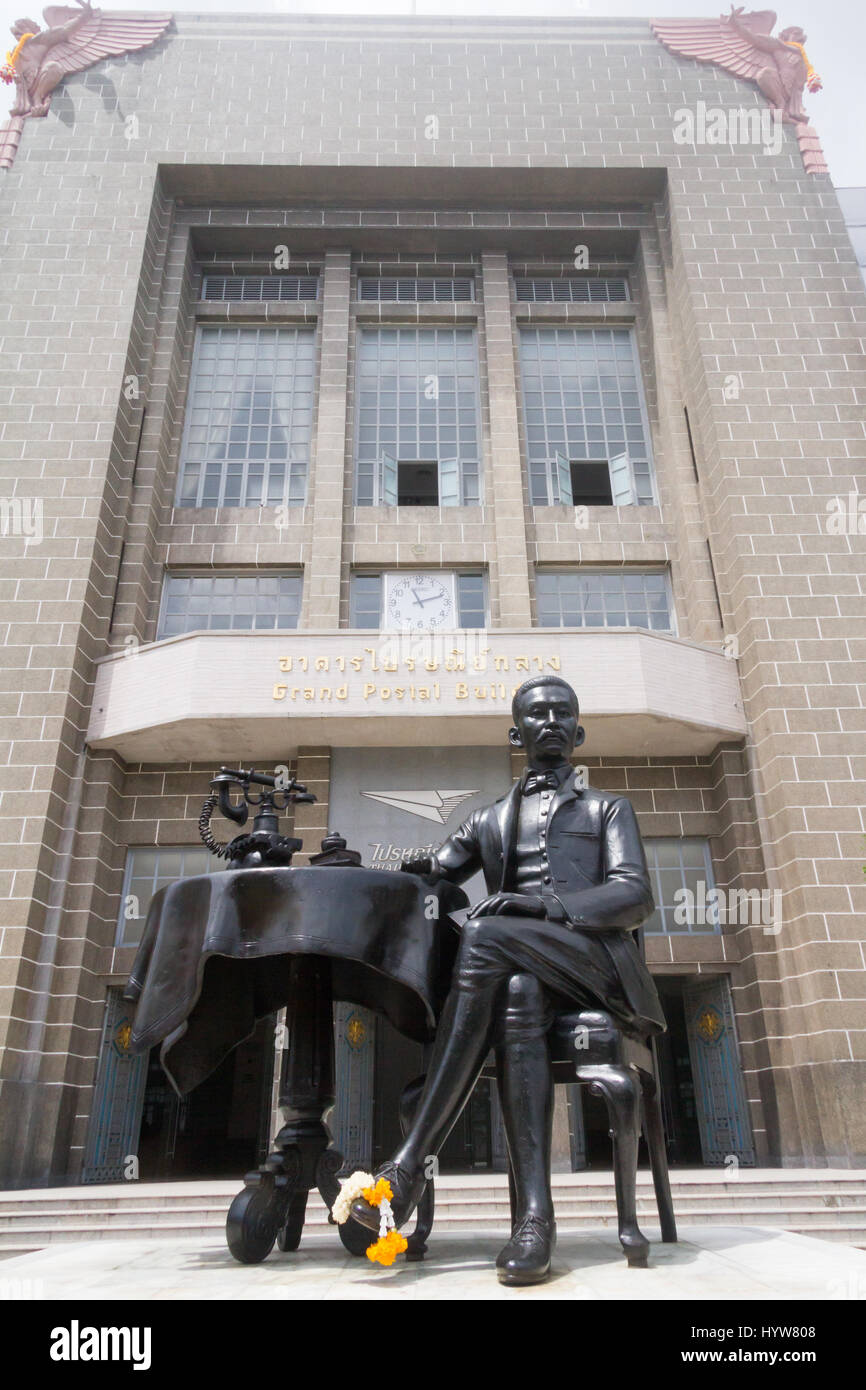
(430, 805)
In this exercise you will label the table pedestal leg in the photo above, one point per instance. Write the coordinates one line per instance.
(273, 1202)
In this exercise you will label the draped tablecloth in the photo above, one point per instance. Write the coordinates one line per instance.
(216, 952)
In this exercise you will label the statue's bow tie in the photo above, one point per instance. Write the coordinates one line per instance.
(538, 780)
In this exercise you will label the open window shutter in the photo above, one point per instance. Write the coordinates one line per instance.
(563, 479)
(449, 482)
(622, 488)
(387, 481)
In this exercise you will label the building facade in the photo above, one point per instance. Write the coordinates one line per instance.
(316, 324)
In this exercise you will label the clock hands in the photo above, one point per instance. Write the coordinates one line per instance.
(421, 601)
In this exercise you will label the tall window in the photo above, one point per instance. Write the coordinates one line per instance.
(604, 598)
(681, 872)
(417, 427)
(249, 419)
(229, 601)
(586, 428)
(367, 599)
(148, 870)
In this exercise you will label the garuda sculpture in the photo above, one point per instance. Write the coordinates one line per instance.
(744, 44)
(73, 40)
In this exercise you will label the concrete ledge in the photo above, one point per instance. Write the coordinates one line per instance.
(265, 694)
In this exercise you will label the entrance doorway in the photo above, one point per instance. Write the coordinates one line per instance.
(676, 1084)
(221, 1129)
(703, 1098)
(477, 1140)
(142, 1129)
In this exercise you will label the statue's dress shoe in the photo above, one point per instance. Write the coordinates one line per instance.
(526, 1257)
(408, 1189)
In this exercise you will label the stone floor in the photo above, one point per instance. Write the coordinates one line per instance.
(709, 1263)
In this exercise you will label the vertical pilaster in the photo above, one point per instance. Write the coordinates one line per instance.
(509, 522)
(311, 819)
(322, 588)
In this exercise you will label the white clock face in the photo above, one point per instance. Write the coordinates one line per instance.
(420, 602)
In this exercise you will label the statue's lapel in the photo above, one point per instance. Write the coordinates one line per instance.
(507, 811)
(569, 791)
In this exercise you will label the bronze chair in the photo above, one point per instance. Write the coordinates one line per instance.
(589, 1048)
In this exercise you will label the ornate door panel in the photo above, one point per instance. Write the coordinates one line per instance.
(117, 1098)
(351, 1121)
(720, 1096)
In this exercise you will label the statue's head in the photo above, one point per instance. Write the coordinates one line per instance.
(25, 26)
(794, 35)
(545, 711)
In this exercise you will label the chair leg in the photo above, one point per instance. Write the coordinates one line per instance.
(655, 1138)
(620, 1090)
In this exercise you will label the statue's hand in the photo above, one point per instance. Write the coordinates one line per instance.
(516, 904)
(418, 864)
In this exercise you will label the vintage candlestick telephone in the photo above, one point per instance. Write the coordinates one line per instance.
(264, 844)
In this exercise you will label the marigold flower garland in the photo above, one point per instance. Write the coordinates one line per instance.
(390, 1244)
(813, 81)
(7, 71)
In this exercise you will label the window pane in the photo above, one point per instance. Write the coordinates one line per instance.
(571, 289)
(409, 381)
(243, 288)
(403, 288)
(596, 598)
(567, 373)
(470, 600)
(148, 870)
(229, 601)
(245, 421)
(365, 600)
(682, 880)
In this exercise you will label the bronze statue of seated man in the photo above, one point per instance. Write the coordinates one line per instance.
(568, 883)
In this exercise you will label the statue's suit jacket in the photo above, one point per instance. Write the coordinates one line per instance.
(599, 879)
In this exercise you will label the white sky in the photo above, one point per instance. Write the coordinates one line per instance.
(836, 31)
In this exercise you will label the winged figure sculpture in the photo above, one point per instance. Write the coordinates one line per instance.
(72, 40)
(744, 44)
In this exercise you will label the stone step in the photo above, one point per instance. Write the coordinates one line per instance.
(452, 1214)
(91, 1198)
(832, 1206)
(36, 1217)
(490, 1225)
